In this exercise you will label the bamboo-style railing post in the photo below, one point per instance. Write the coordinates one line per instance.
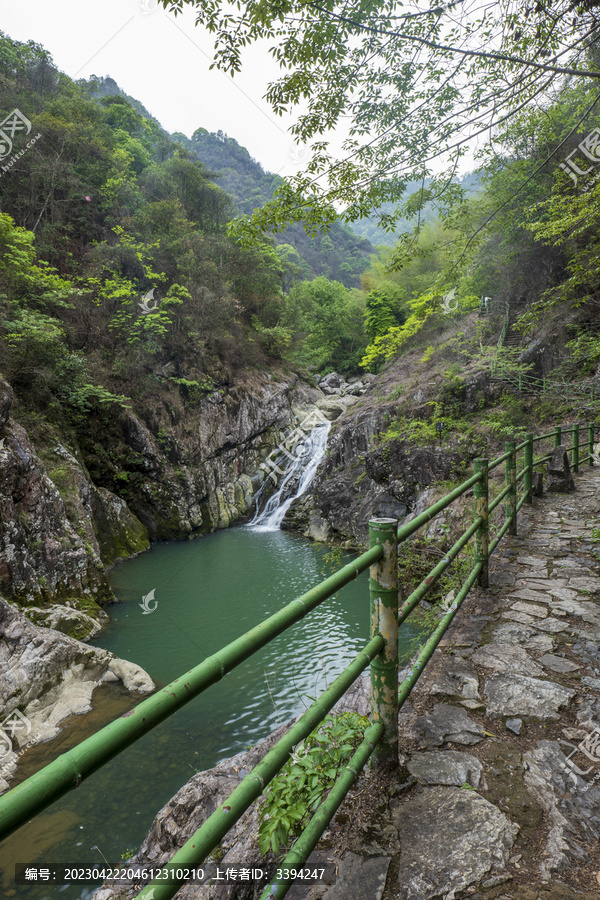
(481, 509)
(511, 479)
(528, 465)
(383, 589)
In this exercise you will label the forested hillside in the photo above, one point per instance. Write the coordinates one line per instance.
(339, 254)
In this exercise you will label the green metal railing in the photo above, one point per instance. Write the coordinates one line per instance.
(380, 739)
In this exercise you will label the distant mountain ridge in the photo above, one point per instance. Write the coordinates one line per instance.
(341, 254)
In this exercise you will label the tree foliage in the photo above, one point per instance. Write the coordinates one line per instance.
(415, 85)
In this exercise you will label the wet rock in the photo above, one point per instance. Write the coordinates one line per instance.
(559, 472)
(445, 767)
(506, 658)
(446, 724)
(525, 696)
(477, 840)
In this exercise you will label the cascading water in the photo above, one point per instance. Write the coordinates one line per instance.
(304, 459)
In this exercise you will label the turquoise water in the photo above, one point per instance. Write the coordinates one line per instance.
(207, 593)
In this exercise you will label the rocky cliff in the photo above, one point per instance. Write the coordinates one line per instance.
(371, 469)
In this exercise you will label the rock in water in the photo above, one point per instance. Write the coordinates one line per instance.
(48, 676)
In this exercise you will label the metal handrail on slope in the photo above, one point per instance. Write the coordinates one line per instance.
(381, 653)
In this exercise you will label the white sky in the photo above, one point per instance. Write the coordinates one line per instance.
(162, 61)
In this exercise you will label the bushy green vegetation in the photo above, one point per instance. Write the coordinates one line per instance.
(116, 267)
(306, 779)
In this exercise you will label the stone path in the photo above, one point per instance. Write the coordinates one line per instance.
(491, 803)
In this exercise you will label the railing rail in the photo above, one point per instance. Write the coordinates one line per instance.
(380, 738)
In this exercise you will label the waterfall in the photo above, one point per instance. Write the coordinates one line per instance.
(303, 459)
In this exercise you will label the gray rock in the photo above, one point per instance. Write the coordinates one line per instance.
(571, 803)
(558, 664)
(359, 878)
(333, 407)
(585, 584)
(445, 767)
(446, 724)
(356, 389)
(563, 593)
(551, 625)
(528, 594)
(514, 725)
(333, 380)
(69, 621)
(591, 682)
(515, 616)
(559, 472)
(583, 609)
(455, 677)
(530, 609)
(525, 696)
(506, 658)
(48, 676)
(542, 643)
(475, 841)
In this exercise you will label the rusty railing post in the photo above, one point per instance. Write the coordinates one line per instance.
(383, 589)
(481, 509)
(511, 479)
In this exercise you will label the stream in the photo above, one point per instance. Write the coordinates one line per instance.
(205, 594)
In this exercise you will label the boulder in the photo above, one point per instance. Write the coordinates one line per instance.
(48, 677)
(331, 382)
(559, 472)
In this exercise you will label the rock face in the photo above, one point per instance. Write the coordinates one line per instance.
(186, 471)
(47, 676)
(42, 555)
(365, 476)
(356, 483)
